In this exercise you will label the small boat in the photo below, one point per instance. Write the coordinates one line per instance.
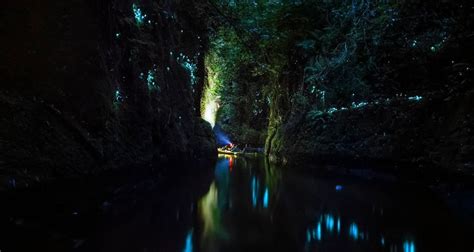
(237, 152)
(227, 152)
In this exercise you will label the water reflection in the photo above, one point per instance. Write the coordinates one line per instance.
(265, 198)
(188, 246)
(255, 187)
(338, 225)
(354, 231)
(408, 246)
(315, 234)
(210, 212)
(318, 231)
(329, 222)
(251, 204)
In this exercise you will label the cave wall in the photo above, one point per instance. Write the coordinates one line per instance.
(92, 85)
(389, 84)
(436, 133)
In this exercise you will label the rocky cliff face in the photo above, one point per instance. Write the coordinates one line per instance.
(395, 89)
(92, 85)
(434, 133)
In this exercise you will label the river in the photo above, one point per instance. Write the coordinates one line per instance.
(246, 204)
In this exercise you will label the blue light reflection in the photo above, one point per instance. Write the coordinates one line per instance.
(408, 246)
(329, 222)
(265, 198)
(255, 186)
(354, 231)
(319, 232)
(338, 225)
(188, 246)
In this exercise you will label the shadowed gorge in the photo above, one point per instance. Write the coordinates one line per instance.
(93, 85)
(225, 125)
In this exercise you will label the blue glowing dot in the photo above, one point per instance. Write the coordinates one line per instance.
(339, 187)
(359, 105)
(137, 12)
(332, 110)
(118, 96)
(150, 79)
(415, 98)
(190, 67)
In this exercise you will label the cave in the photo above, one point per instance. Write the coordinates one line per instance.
(226, 125)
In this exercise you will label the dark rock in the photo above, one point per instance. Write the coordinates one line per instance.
(398, 133)
(86, 88)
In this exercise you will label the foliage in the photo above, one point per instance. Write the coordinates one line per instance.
(232, 84)
(336, 55)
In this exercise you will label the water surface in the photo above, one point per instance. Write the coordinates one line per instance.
(244, 205)
(252, 206)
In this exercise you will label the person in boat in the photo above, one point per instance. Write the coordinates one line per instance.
(234, 148)
(231, 147)
(228, 147)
